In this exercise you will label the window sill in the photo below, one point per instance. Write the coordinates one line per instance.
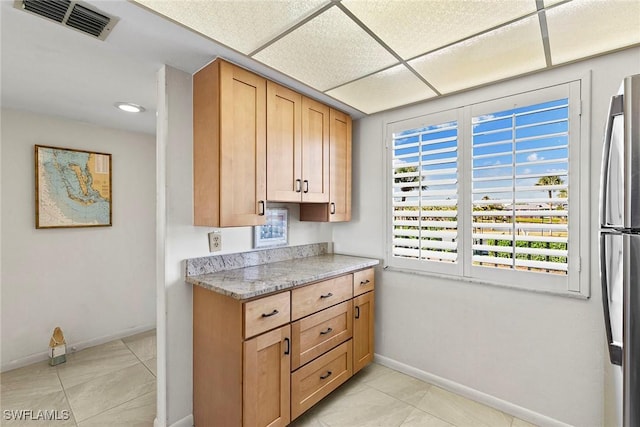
(561, 293)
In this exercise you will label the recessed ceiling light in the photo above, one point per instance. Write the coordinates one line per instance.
(129, 107)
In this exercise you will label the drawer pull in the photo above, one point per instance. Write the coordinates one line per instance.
(365, 282)
(327, 331)
(326, 295)
(273, 313)
(287, 341)
(325, 376)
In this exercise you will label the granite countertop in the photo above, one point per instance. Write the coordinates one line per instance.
(248, 282)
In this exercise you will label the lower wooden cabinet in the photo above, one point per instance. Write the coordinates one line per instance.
(363, 336)
(265, 386)
(265, 361)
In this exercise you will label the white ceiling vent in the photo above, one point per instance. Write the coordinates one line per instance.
(74, 14)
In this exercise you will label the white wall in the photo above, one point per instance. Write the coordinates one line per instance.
(95, 283)
(184, 241)
(539, 352)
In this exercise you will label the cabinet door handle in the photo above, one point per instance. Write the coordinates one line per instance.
(357, 311)
(306, 185)
(325, 376)
(326, 331)
(333, 208)
(365, 282)
(326, 295)
(261, 208)
(298, 185)
(273, 313)
(287, 343)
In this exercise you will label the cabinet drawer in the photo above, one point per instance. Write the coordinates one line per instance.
(266, 313)
(363, 281)
(320, 332)
(316, 297)
(314, 381)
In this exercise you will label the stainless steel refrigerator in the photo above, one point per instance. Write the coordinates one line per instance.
(620, 244)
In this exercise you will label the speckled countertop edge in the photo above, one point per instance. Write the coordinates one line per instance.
(249, 282)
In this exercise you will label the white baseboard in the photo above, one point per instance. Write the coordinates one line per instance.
(157, 423)
(39, 357)
(478, 396)
(185, 422)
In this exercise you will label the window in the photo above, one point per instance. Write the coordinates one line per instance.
(518, 156)
(424, 193)
(491, 191)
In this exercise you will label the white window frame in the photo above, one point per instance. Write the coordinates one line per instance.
(576, 282)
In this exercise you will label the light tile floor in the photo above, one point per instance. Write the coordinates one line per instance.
(379, 396)
(113, 384)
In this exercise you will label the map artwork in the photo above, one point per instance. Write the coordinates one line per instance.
(73, 188)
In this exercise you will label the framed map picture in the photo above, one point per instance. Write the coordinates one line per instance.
(73, 188)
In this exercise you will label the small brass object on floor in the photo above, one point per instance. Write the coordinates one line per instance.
(57, 348)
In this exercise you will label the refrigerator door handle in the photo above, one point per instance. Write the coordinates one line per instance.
(615, 109)
(615, 351)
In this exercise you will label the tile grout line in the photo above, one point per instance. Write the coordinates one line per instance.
(66, 397)
(142, 361)
(427, 412)
(110, 373)
(411, 404)
(117, 406)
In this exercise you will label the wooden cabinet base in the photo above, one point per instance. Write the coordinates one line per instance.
(263, 362)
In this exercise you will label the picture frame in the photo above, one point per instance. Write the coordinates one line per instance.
(276, 230)
(73, 188)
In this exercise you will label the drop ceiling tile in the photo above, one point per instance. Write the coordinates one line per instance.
(387, 89)
(583, 28)
(415, 27)
(243, 25)
(505, 52)
(327, 51)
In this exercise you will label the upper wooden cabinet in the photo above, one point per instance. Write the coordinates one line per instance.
(229, 146)
(297, 147)
(339, 206)
(254, 140)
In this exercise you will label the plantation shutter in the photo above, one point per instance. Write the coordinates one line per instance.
(519, 186)
(424, 193)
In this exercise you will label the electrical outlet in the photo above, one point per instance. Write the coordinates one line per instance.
(215, 241)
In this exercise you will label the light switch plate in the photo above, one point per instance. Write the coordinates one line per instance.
(215, 241)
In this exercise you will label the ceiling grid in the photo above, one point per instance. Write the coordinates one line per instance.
(376, 55)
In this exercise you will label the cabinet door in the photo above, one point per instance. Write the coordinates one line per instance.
(243, 144)
(266, 382)
(339, 206)
(284, 149)
(340, 167)
(363, 346)
(315, 151)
